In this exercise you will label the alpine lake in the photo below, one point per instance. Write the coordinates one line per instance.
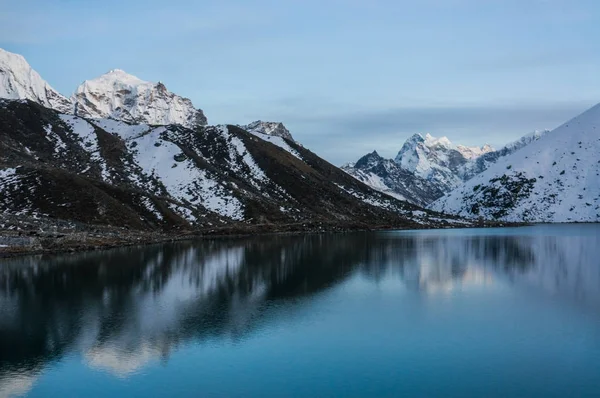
(507, 312)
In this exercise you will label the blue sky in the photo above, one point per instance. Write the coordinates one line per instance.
(345, 76)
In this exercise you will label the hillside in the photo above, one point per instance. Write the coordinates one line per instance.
(554, 179)
(56, 167)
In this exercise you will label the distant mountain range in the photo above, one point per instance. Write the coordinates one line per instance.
(124, 152)
(426, 167)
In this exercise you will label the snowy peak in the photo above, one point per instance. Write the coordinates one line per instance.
(432, 141)
(369, 160)
(431, 158)
(19, 81)
(473, 152)
(275, 129)
(122, 96)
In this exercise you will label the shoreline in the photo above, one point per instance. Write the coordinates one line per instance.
(71, 242)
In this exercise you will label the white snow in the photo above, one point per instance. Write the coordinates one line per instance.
(566, 165)
(473, 152)
(239, 149)
(119, 95)
(272, 129)
(280, 142)
(183, 180)
(86, 132)
(19, 81)
(55, 139)
(122, 129)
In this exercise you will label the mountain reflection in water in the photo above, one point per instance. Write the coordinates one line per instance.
(122, 309)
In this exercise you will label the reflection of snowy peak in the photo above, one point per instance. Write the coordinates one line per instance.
(121, 96)
(554, 179)
(19, 81)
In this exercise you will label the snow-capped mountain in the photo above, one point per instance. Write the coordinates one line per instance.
(556, 178)
(19, 81)
(427, 167)
(121, 96)
(147, 177)
(387, 176)
(274, 129)
(424, 169)
(437, 159)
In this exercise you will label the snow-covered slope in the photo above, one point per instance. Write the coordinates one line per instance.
(556, 178)
(119, 95)
(19, 81)
(274, 129)
(484, 161)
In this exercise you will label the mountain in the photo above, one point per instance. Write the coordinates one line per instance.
(555, 178)
(436, 159)
(116, 95)
(426, 167)
(19, 81)
(57, 168)
(121, 96)
(387, 176)
(274, 129)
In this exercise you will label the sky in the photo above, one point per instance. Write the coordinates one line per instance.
(345, 76)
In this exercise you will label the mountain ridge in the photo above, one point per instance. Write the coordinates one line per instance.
(427, 167)
(555, 178)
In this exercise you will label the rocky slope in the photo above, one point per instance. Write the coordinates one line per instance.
(427, 167)
(19, 81)
(121, 96)
(274, 129)
(163, 178)
(389, 177)
(553, 179)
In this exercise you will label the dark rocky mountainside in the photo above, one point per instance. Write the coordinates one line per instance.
(63, 168)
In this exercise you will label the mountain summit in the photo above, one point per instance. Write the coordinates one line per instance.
(119, 95)
(274, 129)
(19, 81)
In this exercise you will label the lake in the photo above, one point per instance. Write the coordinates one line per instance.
(482, 312)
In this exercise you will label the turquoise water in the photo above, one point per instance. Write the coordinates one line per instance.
(482, 313)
